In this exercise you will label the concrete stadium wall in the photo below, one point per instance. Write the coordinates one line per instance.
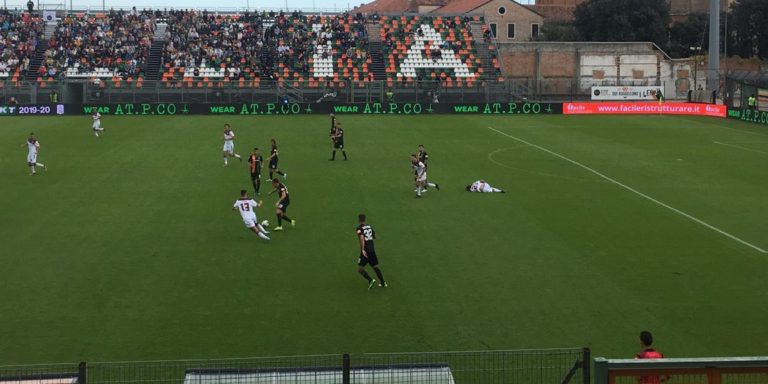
(564, 68)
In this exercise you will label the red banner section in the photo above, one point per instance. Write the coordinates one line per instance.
(644, 109)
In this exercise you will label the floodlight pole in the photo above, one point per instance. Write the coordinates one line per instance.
(713, 75)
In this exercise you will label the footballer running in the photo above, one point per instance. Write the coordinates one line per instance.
(229, 145)
(281, 206)
(273, 159)
(255, 164)
(247, 208)
(366, 235)
(420, 171)
(33, 148)
(96, 123)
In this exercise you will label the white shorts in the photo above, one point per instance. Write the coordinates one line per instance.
(229, 146)
(96, 125)
(422, 178)
(250, 222)
(32, 158)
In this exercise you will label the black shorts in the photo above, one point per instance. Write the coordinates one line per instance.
(255, 176)
(273, 164)
(338, 144)
(284, 206)
(371, 259)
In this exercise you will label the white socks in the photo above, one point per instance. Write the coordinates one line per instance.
(495, 190)
(433, 185)
(263, 236)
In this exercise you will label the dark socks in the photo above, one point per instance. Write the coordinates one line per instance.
(366, 275)
(343, 153)
(286, 218)
(280, 173)
(379, 275)
(279, 220)
(256, 186)
(333, 155)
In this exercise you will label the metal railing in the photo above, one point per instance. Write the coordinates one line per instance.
(482, 367)
(742, 370)
(219, 91)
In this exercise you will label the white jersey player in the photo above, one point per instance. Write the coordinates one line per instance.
(420, 172)
(482, 186)
(229, 144)
(96, 123)
(247, 208)
(33, 148)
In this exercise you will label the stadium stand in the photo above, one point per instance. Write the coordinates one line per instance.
(199, 49)
(112, 46)
(19, 36)
(433, 48)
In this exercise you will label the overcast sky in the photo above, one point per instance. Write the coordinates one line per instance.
(326, 5)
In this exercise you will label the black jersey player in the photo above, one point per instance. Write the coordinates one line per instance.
(338, 142)
(366, 235)
(281, 206)
(255, 164)
(333, 126)
(273, 158)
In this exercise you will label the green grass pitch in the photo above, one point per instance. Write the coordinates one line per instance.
(127, 248)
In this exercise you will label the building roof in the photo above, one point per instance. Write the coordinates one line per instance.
(466, 6)
(397, 6)
(461, 6)
(560, 13)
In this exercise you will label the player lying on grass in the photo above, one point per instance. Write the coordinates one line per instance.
(483, 187)
(247, 208)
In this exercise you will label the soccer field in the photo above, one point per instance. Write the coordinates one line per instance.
(127, 248)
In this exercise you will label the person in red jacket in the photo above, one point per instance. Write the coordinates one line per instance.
(647, 352)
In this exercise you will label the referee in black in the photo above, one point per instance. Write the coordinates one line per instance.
(366, 235)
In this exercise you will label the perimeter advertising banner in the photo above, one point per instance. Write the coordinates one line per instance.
(283, 109)
(762, 99)
(750, 115)
(624, 93)
(645, 109)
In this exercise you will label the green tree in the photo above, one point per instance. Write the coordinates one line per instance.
(748, 28)
(623, 20)
(559, 31)
(692, 32)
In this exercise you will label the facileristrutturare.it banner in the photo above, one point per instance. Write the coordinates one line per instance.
(647, 108)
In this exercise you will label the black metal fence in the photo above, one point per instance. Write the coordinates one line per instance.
(219, 91)
(486, 367)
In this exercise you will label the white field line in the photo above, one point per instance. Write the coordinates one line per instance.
(744, 142)
(740, 147)
(492, 160)
(628, 188)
